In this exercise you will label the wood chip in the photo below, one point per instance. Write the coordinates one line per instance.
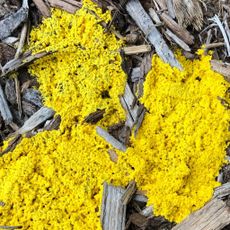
(222, 191)
(4, 108)
(147, 212)
(12, 144)
(94, 117)
(177, 40)
(142, 19)
(153, 14)
(129, 192)
(64, 6)
(35, 120)
(214, 215)
(181, 32)
(42, 7)
(22, 61)
(221, 68)
(170, 7)
(10, 23)
(113, 213)
(10, 227)
(110, 139)
(137, 49)
(113, 155)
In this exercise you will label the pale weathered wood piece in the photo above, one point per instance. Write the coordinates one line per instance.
(113, 212)
(64, 6)
(222, 191)
(181, 32)
(110, 139)
(10, 23)
(129, 192)
(142, 19)
(129, 50)
(36, 119)
(221, 68)
(213, 216)
(177, 40)
(4, 108)
(42, 7)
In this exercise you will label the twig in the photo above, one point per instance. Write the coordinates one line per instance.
(213, 45)
(110, 139)
(10, 23)
(21, 41)
(142, 19)
(18, 95)
(177, 40)
(219, 24)
(136, 49)
(17, 63)
(10, 227)
(181, 32)
(4, 108)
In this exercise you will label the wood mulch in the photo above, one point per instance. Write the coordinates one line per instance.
(180, 25)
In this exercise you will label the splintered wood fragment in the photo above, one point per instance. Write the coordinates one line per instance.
(128, 102)
(12, 144)
(225, 36)
(214, 215)
(222, 191)
(35, 120)
(153, 14)
(74, 3)
(142, 19)
(10, 227)
(214, 45)
(170, 8)
(10, 23)
(177, 40)
(110, 139)
(113, 212)
(136, 49)
(181, 32)
(221, 68)
(24, 60)
(94, 117)
(64, 6)
(129, 192)
(4, 108)
(42, 7)
(139, 121)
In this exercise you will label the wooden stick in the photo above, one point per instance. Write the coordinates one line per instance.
(43, 8)
(4, 108)
(113, 213)
(177, 40)
(214, 215)
(142, 19)
(136, 49)
(181, 32)
(35, 120)
(110, 139)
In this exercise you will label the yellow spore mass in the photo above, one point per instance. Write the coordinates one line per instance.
(54, 180)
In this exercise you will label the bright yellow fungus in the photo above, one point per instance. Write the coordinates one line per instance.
(54, 179)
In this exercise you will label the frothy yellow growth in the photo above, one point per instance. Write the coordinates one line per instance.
(54, 179)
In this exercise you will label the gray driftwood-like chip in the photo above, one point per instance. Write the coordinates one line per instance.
(4, 109)
(142, 19)
(10, 23)
(113, 212)
(214, 215)
(36, 119)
